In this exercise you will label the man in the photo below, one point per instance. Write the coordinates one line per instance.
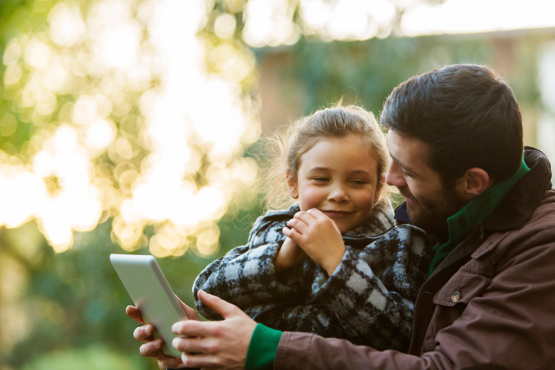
(455, 139)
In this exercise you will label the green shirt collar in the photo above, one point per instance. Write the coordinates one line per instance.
(479, 209)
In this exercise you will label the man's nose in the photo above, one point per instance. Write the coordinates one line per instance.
(394, 176)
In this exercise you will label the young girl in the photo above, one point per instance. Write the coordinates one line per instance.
(333, 263)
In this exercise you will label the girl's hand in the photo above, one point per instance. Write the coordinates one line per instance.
(318, 236)
(152, 347)
(288, 255)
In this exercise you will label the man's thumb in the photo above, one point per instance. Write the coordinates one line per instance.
(222, 307)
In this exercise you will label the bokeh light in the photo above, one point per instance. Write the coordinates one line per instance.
(130, 125)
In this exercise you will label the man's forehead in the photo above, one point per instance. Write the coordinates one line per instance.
(406, 142)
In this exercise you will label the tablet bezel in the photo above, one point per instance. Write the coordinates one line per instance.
(148, 288)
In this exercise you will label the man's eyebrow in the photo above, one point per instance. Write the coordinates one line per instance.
(401, 164)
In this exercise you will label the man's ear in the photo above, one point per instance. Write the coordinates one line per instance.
(292, 185)
(475, 182)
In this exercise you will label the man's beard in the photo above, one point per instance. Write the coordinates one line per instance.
(431, 215)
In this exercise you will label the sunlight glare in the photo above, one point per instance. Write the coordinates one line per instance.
(67, 27)
(269, 22)
(139, 115)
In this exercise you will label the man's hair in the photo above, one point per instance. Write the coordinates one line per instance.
(467, 114)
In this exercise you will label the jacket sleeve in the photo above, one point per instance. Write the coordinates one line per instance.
(246, 275)
(373, 290)
(509, 321)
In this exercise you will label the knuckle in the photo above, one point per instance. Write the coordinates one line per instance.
(218, 362)
(212, 348)
(216, 331)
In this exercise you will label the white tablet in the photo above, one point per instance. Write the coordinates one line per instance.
(152, 295)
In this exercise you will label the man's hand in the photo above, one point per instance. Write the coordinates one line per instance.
(318, 236)
(215, 344)
(288, 255)
(152, 347)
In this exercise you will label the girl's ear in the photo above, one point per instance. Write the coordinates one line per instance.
(379, 188)
(292, 185)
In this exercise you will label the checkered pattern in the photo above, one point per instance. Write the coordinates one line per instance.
(367, 300)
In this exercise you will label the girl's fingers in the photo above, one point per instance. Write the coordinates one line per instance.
(300, 225)
(317, 214)
(308, 217)
(295, 236)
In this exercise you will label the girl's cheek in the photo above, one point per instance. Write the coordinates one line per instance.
(367, 199)
(310, 197)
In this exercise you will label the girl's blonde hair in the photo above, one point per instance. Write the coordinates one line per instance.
(300, 137)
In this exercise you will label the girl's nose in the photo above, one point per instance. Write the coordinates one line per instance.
(338, 194)
(394, 176)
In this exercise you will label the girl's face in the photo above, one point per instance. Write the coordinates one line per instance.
(339, 176)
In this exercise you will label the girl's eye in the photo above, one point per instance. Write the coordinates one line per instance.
(359, 182)
(321, 179)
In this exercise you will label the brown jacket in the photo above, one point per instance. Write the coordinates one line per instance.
(491, 301)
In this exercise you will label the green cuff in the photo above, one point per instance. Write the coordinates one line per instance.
(262, 348)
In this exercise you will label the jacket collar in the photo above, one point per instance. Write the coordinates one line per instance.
(521, 201)
(462, 223)
(513, 211)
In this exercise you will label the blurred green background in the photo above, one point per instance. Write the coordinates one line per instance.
(131, 126)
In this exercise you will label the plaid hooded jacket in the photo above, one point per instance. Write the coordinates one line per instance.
(369, 299)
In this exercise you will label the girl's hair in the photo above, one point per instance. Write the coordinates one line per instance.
(300, 137)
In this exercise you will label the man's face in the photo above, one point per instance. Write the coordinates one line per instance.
(429, 203)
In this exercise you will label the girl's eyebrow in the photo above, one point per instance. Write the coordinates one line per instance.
(359, 173)
(354, 172)
(318, 169)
